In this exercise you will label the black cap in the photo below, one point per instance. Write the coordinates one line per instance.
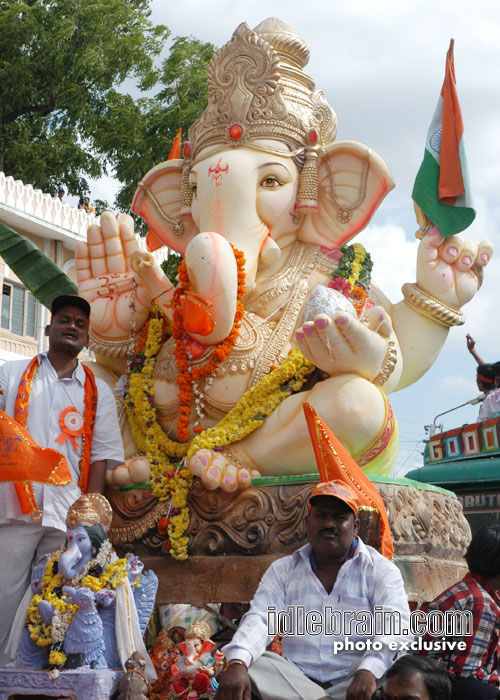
(70, 300)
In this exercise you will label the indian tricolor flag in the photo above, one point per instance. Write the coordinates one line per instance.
(441, 187)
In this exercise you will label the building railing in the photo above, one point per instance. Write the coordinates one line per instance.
(24, 199)
(27, 200)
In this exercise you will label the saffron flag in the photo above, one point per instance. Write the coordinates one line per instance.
(23, 461)
(175, 151)
(334, 462)
(441, 188)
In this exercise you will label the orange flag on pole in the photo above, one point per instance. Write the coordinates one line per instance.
(335, 463)
(175, 151)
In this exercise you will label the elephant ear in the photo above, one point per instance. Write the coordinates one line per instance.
(353, 180)
(158, 201)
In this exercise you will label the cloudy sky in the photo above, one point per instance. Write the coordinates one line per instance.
(381, 67)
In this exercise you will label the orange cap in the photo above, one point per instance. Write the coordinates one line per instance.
(336, 466)
(338, 490)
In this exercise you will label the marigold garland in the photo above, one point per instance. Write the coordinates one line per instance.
(220, 352)
(256, 404)
(57, 658)
(168, 480)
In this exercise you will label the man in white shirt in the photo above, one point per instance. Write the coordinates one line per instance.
(62, 405)
(334, 589)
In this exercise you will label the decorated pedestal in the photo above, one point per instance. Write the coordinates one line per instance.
(88, 685)
(233, 539)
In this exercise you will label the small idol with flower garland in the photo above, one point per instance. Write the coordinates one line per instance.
(188, 669)
(85, 608)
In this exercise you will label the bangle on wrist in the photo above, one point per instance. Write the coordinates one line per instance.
(431, 307)
(233, 662)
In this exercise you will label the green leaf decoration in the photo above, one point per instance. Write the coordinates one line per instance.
(44, 279)
(366, 272)
(170, 267)
(343, 269)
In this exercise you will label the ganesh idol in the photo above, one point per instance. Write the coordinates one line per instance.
(271, 306)
(84, 608)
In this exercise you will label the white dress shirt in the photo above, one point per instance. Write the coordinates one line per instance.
(366, 580)
(49, 396)
(490, 405)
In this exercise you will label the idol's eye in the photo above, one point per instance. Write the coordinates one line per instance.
(271, 181)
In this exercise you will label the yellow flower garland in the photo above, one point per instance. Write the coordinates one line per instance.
(57, 658)
(357, 263)
(171, 483)
(113, 575)
(256, 404)
(158, 448)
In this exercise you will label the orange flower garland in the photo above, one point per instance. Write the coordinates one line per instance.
(220, 352)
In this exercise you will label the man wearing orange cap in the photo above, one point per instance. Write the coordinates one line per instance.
(322, 592)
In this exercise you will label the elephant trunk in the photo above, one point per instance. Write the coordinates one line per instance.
(252, 241)
(212, 272)
(230, 210)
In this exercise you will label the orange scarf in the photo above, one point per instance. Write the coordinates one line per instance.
(24, 489)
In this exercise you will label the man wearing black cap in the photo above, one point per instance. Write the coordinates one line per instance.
(62, 406)
(328, 582)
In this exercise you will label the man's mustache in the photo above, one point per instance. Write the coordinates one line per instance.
(330, 530)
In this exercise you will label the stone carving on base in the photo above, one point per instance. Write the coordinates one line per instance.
(427, 524)
(91, 685)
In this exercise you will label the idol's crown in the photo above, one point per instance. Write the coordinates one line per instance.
(258, 90)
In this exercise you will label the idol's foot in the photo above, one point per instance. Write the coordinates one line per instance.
(218, 470)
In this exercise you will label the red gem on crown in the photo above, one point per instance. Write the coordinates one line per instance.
(235, 132)
(313, 136)
(187, 149)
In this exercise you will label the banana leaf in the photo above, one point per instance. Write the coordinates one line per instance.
(44, 279)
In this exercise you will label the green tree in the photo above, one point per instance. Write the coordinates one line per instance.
(62, 62)
(182, 99)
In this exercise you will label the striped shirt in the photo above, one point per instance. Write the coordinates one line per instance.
(480, 657)
(365, 583)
